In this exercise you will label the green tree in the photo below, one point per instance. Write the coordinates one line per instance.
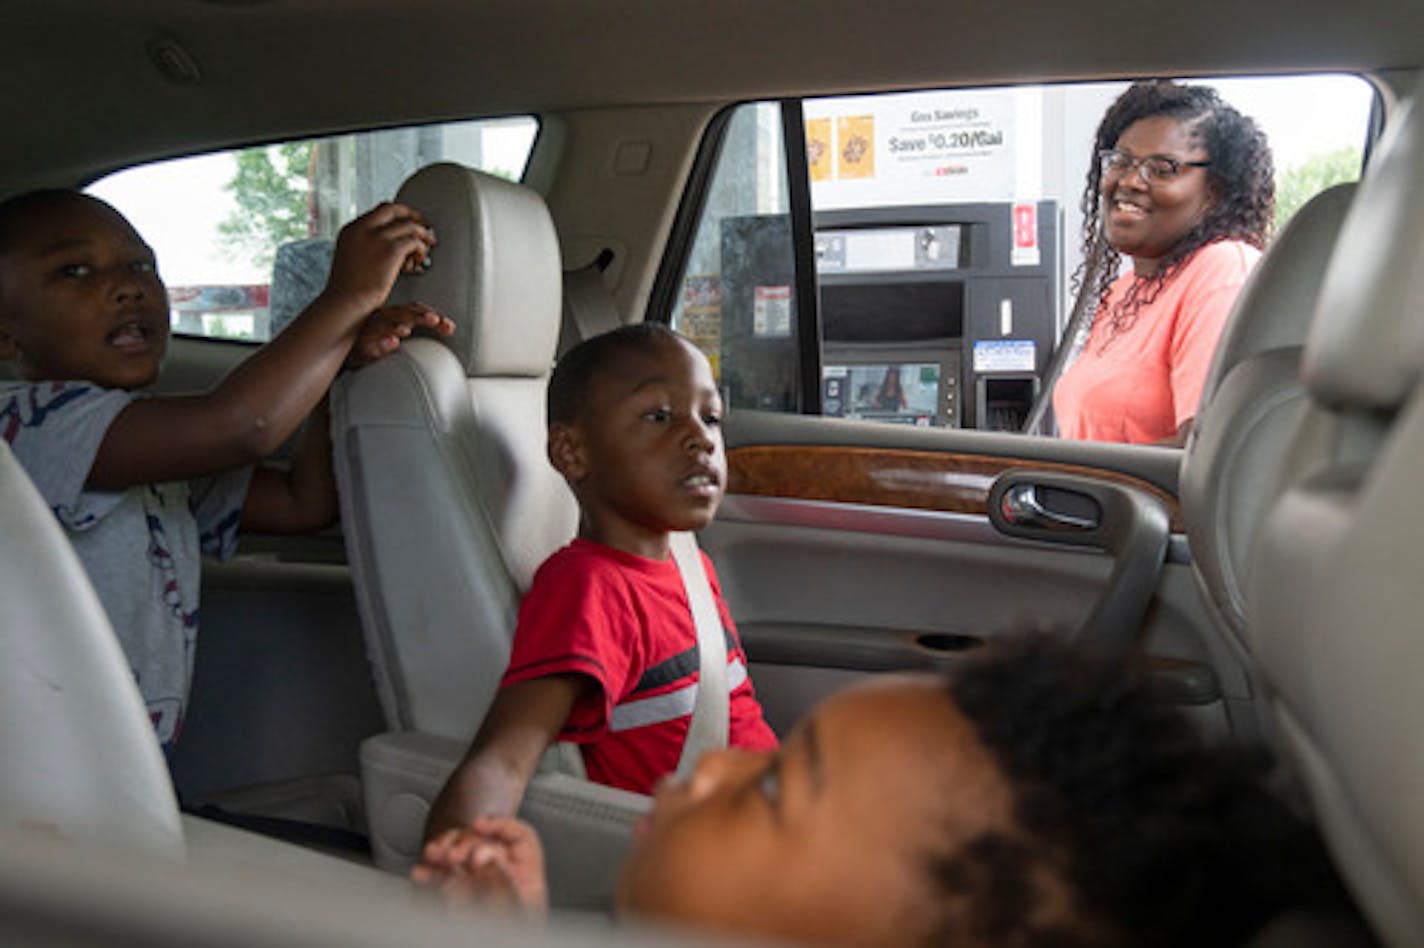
(272, 188)
(1295, 186)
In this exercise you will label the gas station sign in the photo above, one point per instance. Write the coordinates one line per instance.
(916, 148)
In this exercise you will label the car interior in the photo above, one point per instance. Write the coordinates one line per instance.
(1267, 570)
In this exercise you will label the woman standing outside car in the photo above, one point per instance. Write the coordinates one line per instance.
(1184, 185)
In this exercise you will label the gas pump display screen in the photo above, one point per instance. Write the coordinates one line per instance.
(900, 392)
(871, 249)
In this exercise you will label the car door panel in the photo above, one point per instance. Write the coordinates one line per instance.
(847, 548)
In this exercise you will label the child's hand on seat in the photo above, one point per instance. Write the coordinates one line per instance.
(383, 330)
(495, 860)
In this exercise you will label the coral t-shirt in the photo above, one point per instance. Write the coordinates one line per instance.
(1142, 384)
(624, 621)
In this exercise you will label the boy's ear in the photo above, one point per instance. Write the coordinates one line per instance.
(8, 350)
(566, 452)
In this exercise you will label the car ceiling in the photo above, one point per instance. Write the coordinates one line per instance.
(85, 95)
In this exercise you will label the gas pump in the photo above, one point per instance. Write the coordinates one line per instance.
(934, 315)
(959, 300)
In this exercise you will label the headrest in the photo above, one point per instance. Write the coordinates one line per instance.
(495, 271)
(299, 272)
(1366, 346)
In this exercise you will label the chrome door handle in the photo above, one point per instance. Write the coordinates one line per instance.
(1124, 521)
(1021, 507)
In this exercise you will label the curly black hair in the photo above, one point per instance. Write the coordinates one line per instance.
(1241, 175)
(1150, 835)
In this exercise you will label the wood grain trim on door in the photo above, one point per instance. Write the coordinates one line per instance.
(890, 477)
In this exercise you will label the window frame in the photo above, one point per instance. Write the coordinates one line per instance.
(530, 156)
(807, 318)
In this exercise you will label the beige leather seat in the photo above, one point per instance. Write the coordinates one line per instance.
(69, 710)
(1252, 402)
(440, 455)
(78, 758)
(449, 505)
(1334, 595)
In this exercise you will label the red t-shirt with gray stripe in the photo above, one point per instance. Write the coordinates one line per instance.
(623, 621)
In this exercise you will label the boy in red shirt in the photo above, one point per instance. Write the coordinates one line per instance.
(605, 653)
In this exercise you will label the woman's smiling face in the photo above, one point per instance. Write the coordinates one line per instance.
(1145, 221)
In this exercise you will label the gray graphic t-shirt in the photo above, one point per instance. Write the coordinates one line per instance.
(141, 546)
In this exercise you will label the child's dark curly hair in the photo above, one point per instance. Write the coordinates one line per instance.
(1151, 836)
(17, 212)
(1241, 175)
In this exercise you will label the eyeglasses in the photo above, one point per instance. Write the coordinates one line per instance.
(1153, 169)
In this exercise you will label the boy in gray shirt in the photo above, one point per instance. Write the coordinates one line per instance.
(145, 485)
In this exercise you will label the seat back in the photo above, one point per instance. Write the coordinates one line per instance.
(449, 505)
(78, 756)
(80, 766)
(1252, 402)
(448, 501)
(1334, 598)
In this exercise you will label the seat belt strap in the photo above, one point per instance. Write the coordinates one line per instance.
(588, 302)
(711, 710)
